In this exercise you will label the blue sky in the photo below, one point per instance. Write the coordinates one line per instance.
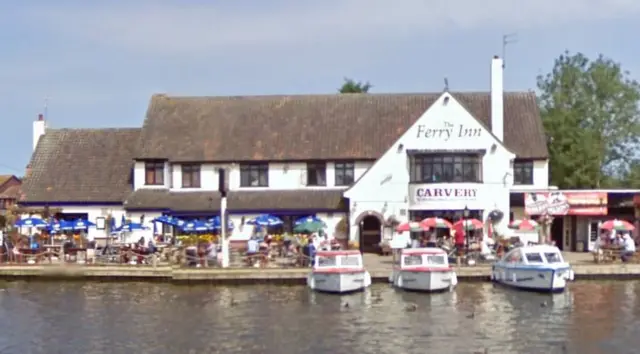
(100, 61)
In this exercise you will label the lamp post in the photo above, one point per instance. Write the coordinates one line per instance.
(465, 214)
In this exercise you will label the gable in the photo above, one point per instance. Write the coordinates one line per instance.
(445, 126)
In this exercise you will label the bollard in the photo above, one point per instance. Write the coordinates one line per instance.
(154, 260)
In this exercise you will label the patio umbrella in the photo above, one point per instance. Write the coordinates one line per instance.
(307, 219)
(31, 222)
(438, 223)
(265, 220)
(59, 225)
(80, 224)
(168, 220)
(524, 225)
(196, 226)
(123, 221)
(130, 227)
(310, 226)
(468, 224)
(412, 226)
(619, 225)
(217, 224)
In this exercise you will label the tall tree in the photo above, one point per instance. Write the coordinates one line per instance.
(590, 113)
(352, 86)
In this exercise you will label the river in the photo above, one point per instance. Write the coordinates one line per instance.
(95, 318)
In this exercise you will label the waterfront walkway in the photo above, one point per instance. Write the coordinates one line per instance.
(379, 267)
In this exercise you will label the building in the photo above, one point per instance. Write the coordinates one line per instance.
(358, 161)
(9, 192)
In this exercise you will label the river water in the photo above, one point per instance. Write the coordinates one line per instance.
(591, 317)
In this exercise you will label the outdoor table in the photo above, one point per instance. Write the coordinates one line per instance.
(611, 253)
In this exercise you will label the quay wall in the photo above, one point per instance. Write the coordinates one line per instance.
(240, 276)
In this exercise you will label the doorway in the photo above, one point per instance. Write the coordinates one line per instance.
(370, 234)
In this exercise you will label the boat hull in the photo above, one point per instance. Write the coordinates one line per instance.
(424, 280)
(339, 282)
(532, 279)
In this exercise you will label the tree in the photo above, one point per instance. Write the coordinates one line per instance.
(352, 86)
(590, 113)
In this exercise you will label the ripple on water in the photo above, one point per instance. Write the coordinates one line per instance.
(161, 318)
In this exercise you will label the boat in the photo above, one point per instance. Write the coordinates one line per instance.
(338, 272)
(423, 269)
(537, 267)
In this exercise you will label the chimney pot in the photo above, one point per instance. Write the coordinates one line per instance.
(40, 117)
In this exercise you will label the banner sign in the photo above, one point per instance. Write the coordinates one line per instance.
(566, 203)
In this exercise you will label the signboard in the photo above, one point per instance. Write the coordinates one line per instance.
(447, 131)
(432, 193)
(566, 203)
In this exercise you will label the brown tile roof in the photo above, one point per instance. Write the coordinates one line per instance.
(259, 201)
(81, 165)
(12, 192)
(349, 126)
(4, 178)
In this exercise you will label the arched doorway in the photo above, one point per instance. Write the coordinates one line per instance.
(370, 231)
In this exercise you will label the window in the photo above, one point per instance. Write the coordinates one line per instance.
(437, 259)
(523, 172)
(534, 257)
(154, 173)
(445, 168)
(344, 173)
(412, 260)
(350, 261)
(317, 174)
(256, 175)
(553, 257)
(191, 176)
(326, 261)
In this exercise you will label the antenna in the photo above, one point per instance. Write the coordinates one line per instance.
(446, 84)
(506, 40)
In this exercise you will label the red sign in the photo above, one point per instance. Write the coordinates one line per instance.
(566, 203)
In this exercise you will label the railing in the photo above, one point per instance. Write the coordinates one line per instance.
(168, 256)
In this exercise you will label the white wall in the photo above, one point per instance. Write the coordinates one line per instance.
(281, 176)
(385, 188)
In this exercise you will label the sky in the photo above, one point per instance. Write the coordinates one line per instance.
(96, 63)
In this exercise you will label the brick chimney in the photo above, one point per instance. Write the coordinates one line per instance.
(39, 128)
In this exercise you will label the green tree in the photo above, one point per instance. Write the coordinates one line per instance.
(590, 112)
(352, 86)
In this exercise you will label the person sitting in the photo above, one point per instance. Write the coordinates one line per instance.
(597, 248)
(253, 248)
(629, 246)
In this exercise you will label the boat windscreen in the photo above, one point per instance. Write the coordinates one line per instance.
(438, 259)
(326, 261)
(534, 257)
(553, 257)
(412, 260)
(350, 261)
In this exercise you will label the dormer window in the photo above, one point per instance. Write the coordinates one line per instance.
(154, 173)
(191, 176)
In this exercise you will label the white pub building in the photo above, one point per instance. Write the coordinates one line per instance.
(360, 162)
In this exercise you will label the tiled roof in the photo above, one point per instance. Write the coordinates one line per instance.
(266, 200)
(81, 165)
(347, 126)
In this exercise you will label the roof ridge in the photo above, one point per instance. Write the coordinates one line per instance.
(340, 95)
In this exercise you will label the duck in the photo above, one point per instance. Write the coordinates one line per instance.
(472, 315)
(411, 307)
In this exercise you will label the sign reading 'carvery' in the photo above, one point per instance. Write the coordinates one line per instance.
(440, 193)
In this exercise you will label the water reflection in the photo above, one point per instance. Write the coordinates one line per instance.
(156, 318)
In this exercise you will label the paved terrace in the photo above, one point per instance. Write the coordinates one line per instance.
(380, 268)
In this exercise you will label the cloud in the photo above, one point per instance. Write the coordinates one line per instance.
(182, 27)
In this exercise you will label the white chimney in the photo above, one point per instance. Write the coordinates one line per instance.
(39, 127)
(497, 98)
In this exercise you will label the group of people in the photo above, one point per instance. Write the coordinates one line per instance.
(618, 239)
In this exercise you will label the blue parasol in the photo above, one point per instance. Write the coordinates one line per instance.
(31, 222)
(196, 226)
(311, 219)
(80, 224)
(58, 225)
(131, 227)
(217, 225)
(265, 220)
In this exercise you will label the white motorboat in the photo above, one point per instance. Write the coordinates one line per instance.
(338, 272)
(423, 269)
(536, 268)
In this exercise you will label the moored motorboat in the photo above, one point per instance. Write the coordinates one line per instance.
(538, 268)
(423, 269)
(338, 272)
